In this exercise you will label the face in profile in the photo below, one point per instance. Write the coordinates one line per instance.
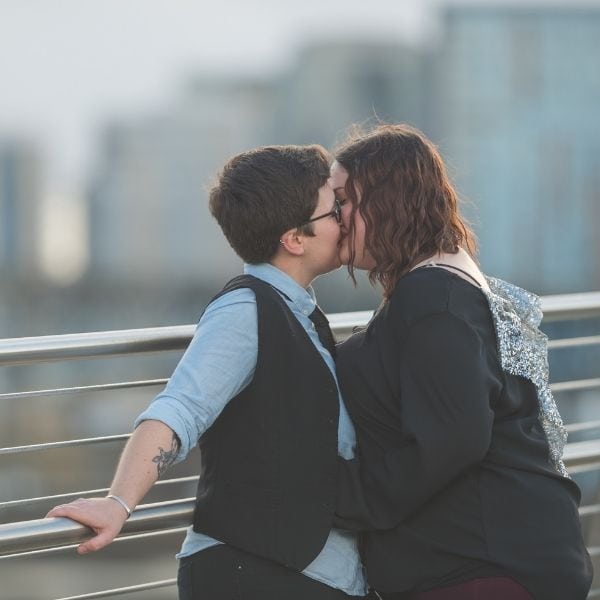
(362, 258)
(323, 246)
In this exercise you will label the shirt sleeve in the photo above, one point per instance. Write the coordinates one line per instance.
(446, 423)
(217, 365)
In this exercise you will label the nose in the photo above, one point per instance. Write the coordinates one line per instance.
(345, 213)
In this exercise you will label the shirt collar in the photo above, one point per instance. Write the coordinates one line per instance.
(303, 299)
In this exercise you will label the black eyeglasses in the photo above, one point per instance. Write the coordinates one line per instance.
(336, 213)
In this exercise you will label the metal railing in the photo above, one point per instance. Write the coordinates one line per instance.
(32, 537)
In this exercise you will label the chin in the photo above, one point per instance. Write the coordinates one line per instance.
(332, 266)
(336, 263)
(343, 256)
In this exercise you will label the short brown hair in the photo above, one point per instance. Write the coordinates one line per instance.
(410, 208)
(263, 193)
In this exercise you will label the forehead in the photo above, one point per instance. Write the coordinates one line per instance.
(338, 175)
(326, 192)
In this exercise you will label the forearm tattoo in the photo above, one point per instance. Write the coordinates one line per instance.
(166, 457)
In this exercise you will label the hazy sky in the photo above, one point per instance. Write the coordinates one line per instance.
(67, 65)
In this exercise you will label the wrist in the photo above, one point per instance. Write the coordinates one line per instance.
(122, 502)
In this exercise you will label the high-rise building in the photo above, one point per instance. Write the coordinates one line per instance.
(148, 203)
(148, 209)
(518, 91)
(20, 197)
(333, 85)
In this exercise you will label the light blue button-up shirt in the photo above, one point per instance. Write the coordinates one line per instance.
(218, 364)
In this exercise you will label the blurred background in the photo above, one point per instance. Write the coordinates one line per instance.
(116, 115)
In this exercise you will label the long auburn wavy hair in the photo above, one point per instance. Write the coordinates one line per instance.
(398, 183)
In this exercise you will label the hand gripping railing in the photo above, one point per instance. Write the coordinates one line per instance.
(44, 534)
(48, 535)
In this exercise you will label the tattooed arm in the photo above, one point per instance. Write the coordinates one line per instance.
(148, 454)
(165, 458)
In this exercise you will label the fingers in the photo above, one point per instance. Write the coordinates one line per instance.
(64, 510)
(96, 543)
(104, 516)
(73, 511)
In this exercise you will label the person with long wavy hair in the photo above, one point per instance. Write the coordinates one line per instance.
(458, 486)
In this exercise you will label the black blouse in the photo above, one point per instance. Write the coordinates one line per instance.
(453, 479)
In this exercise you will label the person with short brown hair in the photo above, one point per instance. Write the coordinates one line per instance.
(256, 390)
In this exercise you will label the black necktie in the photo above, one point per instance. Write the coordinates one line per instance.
(323, 330)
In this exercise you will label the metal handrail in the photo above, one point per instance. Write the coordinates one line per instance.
(153, 585)
(65, 444)
(28, 350)
(585, 426)
(582, 456)
(46, 535)
(155, 533)
(80, 389)
(570, 306)
(85, 493)
(40, 534)
(589, 340)
(123, 385)
(19, 351)
(576, 384)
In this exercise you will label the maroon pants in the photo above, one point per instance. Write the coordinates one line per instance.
(491, 588)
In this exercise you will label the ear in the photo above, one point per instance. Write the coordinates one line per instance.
(293, 242)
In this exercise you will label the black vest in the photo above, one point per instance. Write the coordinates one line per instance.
(268, 479)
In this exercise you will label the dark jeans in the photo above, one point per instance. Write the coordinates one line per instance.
(224, 573)
(491, 588)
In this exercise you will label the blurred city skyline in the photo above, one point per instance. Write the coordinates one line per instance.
(115, 115)
(67, 67)
(105, 162)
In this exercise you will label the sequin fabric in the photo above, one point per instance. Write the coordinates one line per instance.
(523, 351)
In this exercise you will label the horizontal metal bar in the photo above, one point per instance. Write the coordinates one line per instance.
(560, 307)
(589, 510)
(556, 387)
(64, 444)
(16, 351)
(582, 456)
(154, 585)
(32, 535)
(104, 387)
(578, 384)
(128, 538)
(595, 593)
(585, 426)
(113, 438)
(584, 467)
(590, 340)
(81, 442)
(20, 351)
(84, 494)
(343, 324)
(38, 534)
